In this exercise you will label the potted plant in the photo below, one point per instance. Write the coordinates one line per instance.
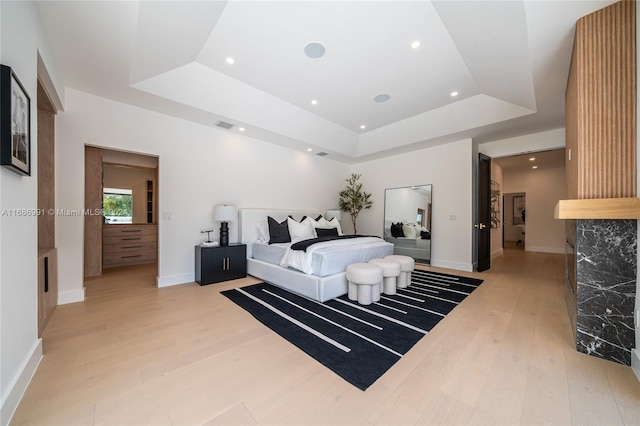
(353, 199)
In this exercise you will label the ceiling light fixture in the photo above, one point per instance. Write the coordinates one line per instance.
(309, 149)
(241, 129)
(230, 60)
(314, 50)
(454, 94)
(383, 97)
(314, 102)
(362, 126)
(415, 44)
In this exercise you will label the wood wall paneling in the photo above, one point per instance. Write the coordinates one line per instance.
(46, 171)
(92, 223)
(47, 269)
(601, 105)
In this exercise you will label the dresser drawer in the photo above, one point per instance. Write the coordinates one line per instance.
(129, 246)
(128, 258)
(128, 239)
(128, 230)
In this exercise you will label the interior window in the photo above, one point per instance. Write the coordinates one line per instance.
(117, 205)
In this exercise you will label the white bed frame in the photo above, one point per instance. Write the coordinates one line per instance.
(317, 288)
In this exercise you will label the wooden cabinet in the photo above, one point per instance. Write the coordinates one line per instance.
(129, 245)
(217, 264)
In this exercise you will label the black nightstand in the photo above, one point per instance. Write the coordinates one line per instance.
(222, 263)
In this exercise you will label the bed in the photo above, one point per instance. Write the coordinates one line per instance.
(325, 278)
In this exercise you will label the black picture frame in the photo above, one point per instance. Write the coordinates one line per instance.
(15, 123)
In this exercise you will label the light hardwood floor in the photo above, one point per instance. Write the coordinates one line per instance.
(183, 355)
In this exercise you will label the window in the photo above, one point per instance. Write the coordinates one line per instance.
(117, 205)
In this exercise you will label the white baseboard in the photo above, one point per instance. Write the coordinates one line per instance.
(175, 279)
(17, 389)
(497, 253)
(556, 250)
(72, 296)
(635, 362)
(452, 265)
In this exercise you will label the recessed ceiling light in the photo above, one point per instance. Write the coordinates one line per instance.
(454, 94)
(362, 126)
(532, 159)
(309, 149)
(314, 102)
(415, 44)
(230, 60)
(314, 50)
(241, 129)
(534, 167)
(383, 97)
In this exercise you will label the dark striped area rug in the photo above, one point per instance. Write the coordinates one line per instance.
(359, 343)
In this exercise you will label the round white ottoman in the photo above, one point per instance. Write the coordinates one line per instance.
(406, 266)
(390, 273)
(364, 282)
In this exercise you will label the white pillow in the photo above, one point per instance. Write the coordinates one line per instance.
(263, 231)
(320, 223)
(333, 223)
(409, 230)
(300, 230)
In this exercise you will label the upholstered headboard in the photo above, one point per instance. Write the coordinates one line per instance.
(248, 233)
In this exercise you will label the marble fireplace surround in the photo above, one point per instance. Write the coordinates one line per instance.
(602, 302)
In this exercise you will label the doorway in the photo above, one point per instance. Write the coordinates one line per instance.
(123, 186)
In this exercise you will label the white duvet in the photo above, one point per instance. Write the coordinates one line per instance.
(341, 252)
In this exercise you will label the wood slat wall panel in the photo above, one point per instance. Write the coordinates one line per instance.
(93, 200)
(602, 133)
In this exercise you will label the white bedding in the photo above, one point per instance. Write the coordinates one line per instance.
(331, 257)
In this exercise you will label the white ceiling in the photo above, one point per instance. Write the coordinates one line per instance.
(508, 61)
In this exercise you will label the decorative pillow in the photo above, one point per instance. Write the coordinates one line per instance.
(278, 232)
(327, 232)
(409, 231)
(319, 222)
(263, 231)
(300, 230)
(396, 230)
(425, 235)
(334, 223)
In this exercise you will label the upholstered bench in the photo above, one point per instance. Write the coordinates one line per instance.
(364, 281)
(390, 273)
(407, 264)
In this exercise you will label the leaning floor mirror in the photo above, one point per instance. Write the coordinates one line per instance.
(407, 221)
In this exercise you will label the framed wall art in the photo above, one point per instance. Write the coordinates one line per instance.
(15, 123)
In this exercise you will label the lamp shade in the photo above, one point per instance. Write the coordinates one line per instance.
(225, 213)
(330, 214)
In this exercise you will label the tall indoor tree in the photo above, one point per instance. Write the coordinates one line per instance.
(353, 199)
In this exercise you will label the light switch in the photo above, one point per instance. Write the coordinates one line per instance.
(452, 217)
(167, 215)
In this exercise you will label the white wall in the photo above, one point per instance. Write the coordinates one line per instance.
(199, 167)
(543, 188)
(449, 168)
(20, 347)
